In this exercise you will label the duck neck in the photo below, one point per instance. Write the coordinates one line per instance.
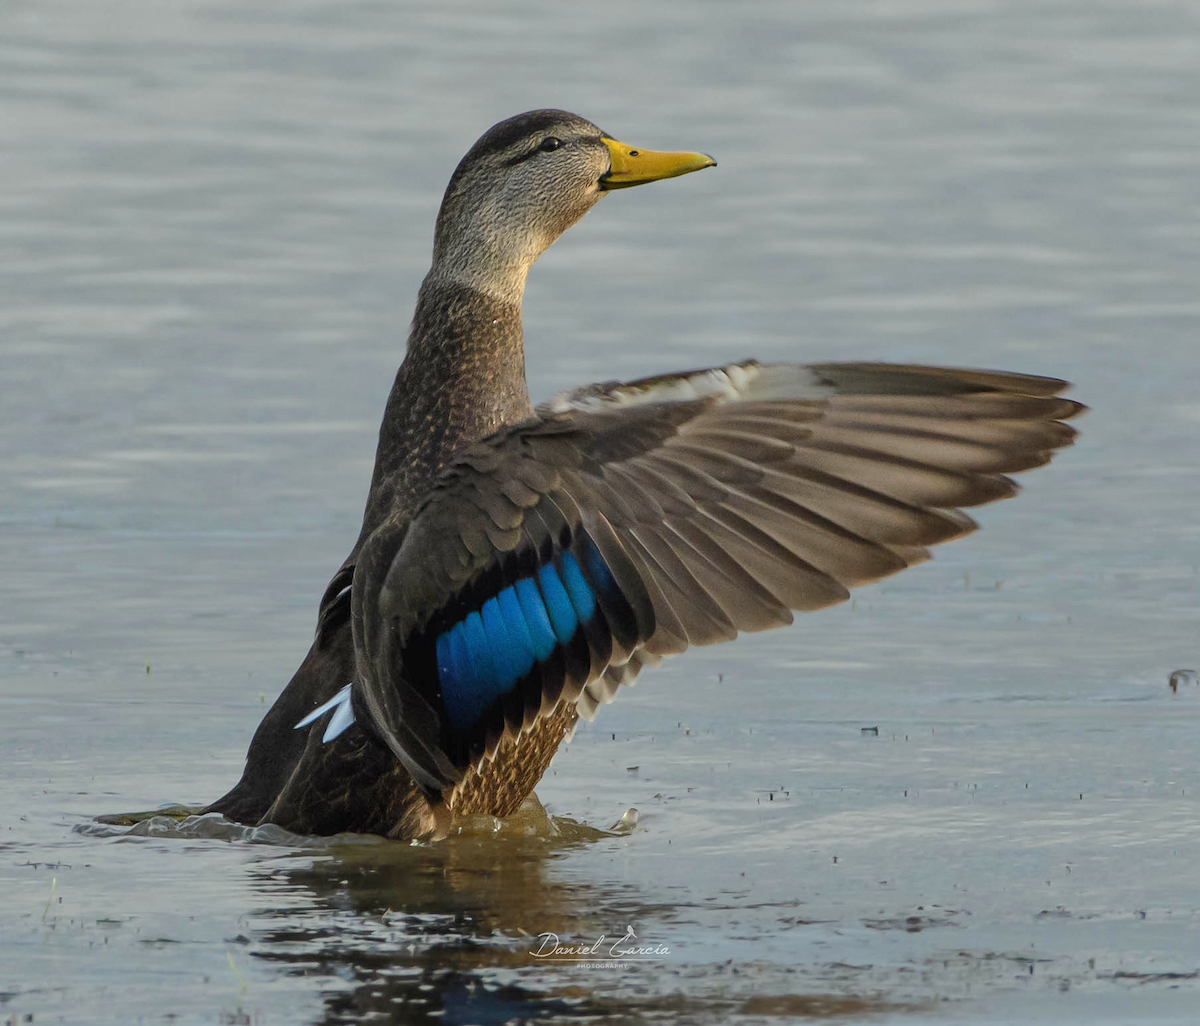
(462, 379)
(477, 257)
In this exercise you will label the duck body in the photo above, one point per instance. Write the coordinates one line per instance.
(518, 565)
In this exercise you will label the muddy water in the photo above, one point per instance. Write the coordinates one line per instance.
(212, 223)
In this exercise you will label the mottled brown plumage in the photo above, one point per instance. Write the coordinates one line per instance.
(668, 512)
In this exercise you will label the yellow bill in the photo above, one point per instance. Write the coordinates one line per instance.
(632, 166)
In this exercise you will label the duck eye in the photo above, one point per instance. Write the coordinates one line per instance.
(550, 143)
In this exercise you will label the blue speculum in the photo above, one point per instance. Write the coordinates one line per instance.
(486, 653)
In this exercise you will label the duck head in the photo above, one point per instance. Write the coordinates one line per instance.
(523, 184)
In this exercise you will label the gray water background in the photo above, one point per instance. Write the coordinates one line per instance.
(213, 220)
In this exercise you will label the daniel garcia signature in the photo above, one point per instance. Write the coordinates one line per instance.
(624, 951)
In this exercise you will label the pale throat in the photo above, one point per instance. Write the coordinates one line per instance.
(479, 261)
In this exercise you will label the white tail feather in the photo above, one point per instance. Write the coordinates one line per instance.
(342, 718)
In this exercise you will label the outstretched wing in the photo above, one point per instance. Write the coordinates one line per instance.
(629, 521)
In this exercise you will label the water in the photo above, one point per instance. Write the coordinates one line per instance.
(214, 219)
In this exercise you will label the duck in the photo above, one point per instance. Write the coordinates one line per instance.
(519, 566)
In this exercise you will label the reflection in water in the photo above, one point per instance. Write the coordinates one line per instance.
(447, 931)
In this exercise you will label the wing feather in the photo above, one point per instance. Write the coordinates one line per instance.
(647, 516)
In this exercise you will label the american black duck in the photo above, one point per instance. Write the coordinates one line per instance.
(517, 564)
